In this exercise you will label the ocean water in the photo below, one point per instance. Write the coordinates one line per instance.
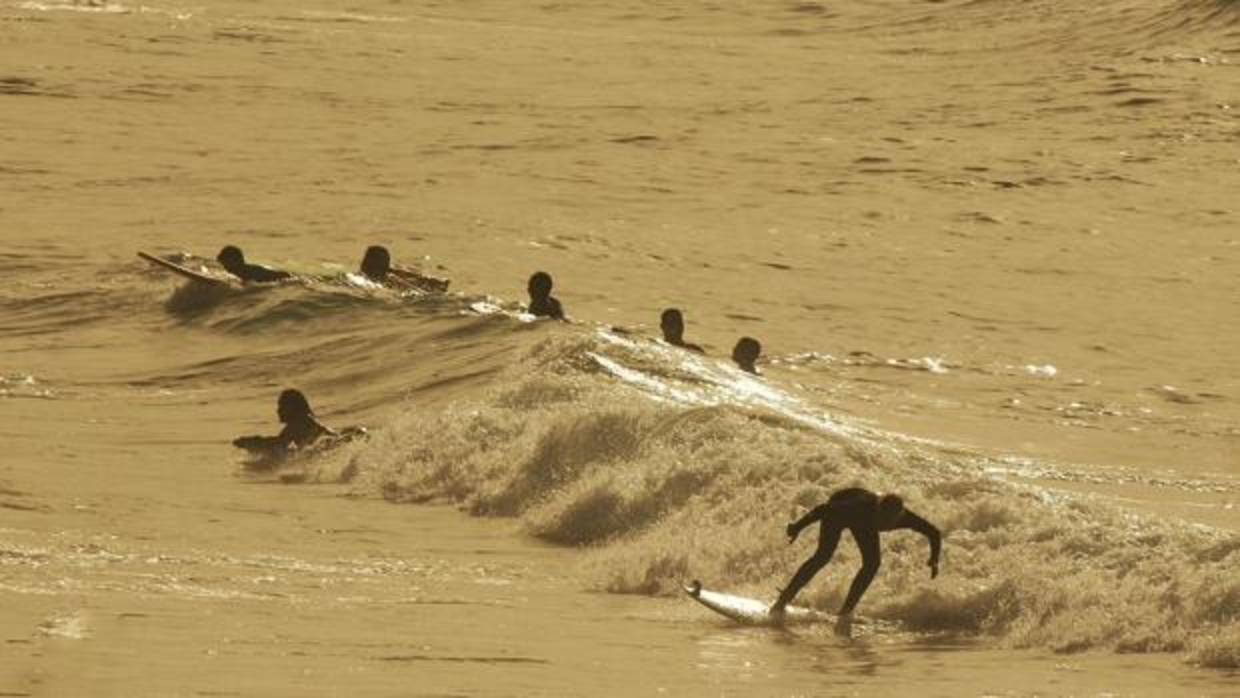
(990, 249)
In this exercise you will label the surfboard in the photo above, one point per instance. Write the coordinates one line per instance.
(183, 271)
(752, 611)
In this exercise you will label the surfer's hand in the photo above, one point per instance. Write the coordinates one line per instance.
(793, 532)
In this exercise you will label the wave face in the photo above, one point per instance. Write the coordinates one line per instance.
(982, 185)
(669, 467)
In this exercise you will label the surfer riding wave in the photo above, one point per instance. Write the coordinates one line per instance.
(866, 515)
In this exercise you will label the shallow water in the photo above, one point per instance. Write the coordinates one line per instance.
(989, 249)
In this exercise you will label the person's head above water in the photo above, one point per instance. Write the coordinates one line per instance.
(230, 257)
(673, 325)
(539, 285)
(293, 406)
(890, 507)
(746, 352)
(376, 262)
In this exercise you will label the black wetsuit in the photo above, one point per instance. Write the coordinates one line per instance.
(299, 434)
(547, 306)
(855, 509)
(685, 345)
(258, 273)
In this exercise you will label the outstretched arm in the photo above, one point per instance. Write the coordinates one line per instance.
(927, 529)
(816, 514)
(257, 443)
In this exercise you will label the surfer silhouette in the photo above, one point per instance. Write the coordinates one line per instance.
(301, 427)
(377, 266)
(745, 353)
(865, 514)
(673, 324)
(234, 263)
(542, 303)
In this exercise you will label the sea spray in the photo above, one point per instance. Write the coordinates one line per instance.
(675, 476)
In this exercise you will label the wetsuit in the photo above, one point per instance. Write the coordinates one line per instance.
(258, 273)
(547, 306)
(299, 433)
(685, 345)
(857, 510)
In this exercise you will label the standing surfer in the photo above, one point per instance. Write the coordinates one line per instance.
(865, 514)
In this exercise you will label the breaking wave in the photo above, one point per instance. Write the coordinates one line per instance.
(668, 467)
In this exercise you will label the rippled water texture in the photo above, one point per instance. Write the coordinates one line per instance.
(990, 249)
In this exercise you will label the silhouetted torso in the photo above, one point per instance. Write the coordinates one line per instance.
(672, 322)
(259, 274)
(542, 303)
(377, 266)
(746, 353)
(301, 432)
(546, 307)
(856, 510)
(233, 261)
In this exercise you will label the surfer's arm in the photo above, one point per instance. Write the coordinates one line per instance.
(816, 514)
(258, 443)
(912, 521)
(325, 430)
(301, 434)
(422, 281)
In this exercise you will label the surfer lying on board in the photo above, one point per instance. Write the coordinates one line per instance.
(673, 325)
(865, 514)
(301, 427)
(234, 263)
(377, 266)
(746, 353)
(542, 303)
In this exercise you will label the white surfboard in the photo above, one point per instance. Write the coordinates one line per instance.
(752, 611)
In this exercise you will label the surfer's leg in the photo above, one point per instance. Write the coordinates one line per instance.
(871, 557)
(828, 539)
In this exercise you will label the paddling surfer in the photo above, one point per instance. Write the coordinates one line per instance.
(542, 303)
(377, 266)
(746, 353)
(865, 514)
(673, 326)
(234, 263)
(301, 426)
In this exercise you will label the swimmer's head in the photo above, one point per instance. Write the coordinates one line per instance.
(540, 284)
(746, 352)
(293, 405)
(673, 324)
(376, 262)
(230, 257)
(890, 508)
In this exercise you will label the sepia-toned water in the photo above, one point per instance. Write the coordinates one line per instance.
(991, 250)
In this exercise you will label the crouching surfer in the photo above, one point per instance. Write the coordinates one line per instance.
(865, 514)
(301, 429)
